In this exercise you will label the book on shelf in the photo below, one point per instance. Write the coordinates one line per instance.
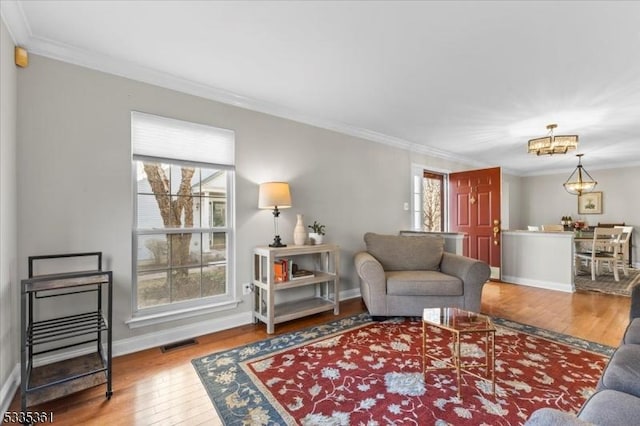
(285, 270)
(290, 268)
(280, 271)
(302, 273)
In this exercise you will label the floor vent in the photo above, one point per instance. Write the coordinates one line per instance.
(177, 345)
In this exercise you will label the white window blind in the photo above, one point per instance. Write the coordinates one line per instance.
(155, 136)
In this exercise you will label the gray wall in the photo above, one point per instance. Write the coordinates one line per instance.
(74, 181)
(74, 173)
(544, 200)
(511, 201)
(8, 220)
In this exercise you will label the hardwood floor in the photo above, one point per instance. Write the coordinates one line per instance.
(155, 388)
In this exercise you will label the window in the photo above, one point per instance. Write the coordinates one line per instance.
(432, 201)
(429, 207)
(183, 225)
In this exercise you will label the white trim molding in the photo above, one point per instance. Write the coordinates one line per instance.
(174, 315)
(164, 337)
(146, 341)
(19, 27)
(9, 388)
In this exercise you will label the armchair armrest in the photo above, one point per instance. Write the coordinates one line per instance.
(473, 273)
(373, 282)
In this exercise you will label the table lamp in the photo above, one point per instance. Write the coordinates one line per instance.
(274, 195)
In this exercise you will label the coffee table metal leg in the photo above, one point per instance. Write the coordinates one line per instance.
(458, 354)
(486, 353)
(424, 348)
(493, 361)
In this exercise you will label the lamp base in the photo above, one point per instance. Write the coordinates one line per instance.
(277, 242)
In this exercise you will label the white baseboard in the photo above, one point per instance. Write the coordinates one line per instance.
(145, 341)
(350, 294)
(163, 337)
(130, 345)
(549, 285)
(9, 389)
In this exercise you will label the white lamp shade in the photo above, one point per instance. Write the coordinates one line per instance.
(274, 194)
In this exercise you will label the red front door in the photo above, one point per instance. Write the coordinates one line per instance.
(474, 208)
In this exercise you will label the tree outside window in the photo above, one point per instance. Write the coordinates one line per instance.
(179, 258)
(432, 202)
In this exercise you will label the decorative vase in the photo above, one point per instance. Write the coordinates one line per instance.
(299, 233)
(315, 238)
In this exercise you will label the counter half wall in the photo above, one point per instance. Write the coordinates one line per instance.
(538, 259)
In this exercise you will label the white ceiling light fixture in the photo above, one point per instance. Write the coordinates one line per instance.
(552, 144)
(583, 182)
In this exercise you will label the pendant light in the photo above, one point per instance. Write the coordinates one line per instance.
(580, 180)
(552, 144)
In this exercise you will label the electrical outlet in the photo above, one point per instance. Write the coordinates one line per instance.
(247, 289)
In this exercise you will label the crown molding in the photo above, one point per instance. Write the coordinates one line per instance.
(19, 27)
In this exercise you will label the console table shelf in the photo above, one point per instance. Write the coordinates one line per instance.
(325, 281)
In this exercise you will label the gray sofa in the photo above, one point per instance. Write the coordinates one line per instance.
(402, 275)
(616, 401)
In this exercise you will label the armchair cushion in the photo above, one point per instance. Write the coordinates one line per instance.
(610, 407)
(607, 407)
(422, 283)
(554, 417)
(398, 253)
(622, 372)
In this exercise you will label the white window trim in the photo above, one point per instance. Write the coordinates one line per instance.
(178, 310)
(152, 138)
(144, 320)
(417, 170)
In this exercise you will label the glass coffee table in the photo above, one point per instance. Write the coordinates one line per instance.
(465, 327)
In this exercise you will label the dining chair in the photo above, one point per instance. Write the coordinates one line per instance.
(623, 254)
(605, 248)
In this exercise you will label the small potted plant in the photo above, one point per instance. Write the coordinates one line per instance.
(315, 237)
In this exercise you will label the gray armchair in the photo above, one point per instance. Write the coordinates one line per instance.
(402, 275)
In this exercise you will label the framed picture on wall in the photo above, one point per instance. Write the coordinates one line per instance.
(590, 203)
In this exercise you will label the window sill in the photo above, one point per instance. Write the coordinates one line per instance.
(144, 320)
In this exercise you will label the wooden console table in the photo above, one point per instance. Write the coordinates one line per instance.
(324, 261)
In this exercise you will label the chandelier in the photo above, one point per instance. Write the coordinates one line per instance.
(551, 144)
(583, 182)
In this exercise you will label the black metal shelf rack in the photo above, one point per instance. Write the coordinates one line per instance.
(54, 380)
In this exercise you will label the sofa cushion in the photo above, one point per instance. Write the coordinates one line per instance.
(554, 417)
(610, 407)
(622, 373)
(632, 334)
(406, 253)
(423, 283)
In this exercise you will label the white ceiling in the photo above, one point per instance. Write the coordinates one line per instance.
(462, 80)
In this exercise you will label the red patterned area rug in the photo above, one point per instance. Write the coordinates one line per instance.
(357, 372)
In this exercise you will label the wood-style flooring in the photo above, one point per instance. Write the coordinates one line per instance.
(156, 388)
